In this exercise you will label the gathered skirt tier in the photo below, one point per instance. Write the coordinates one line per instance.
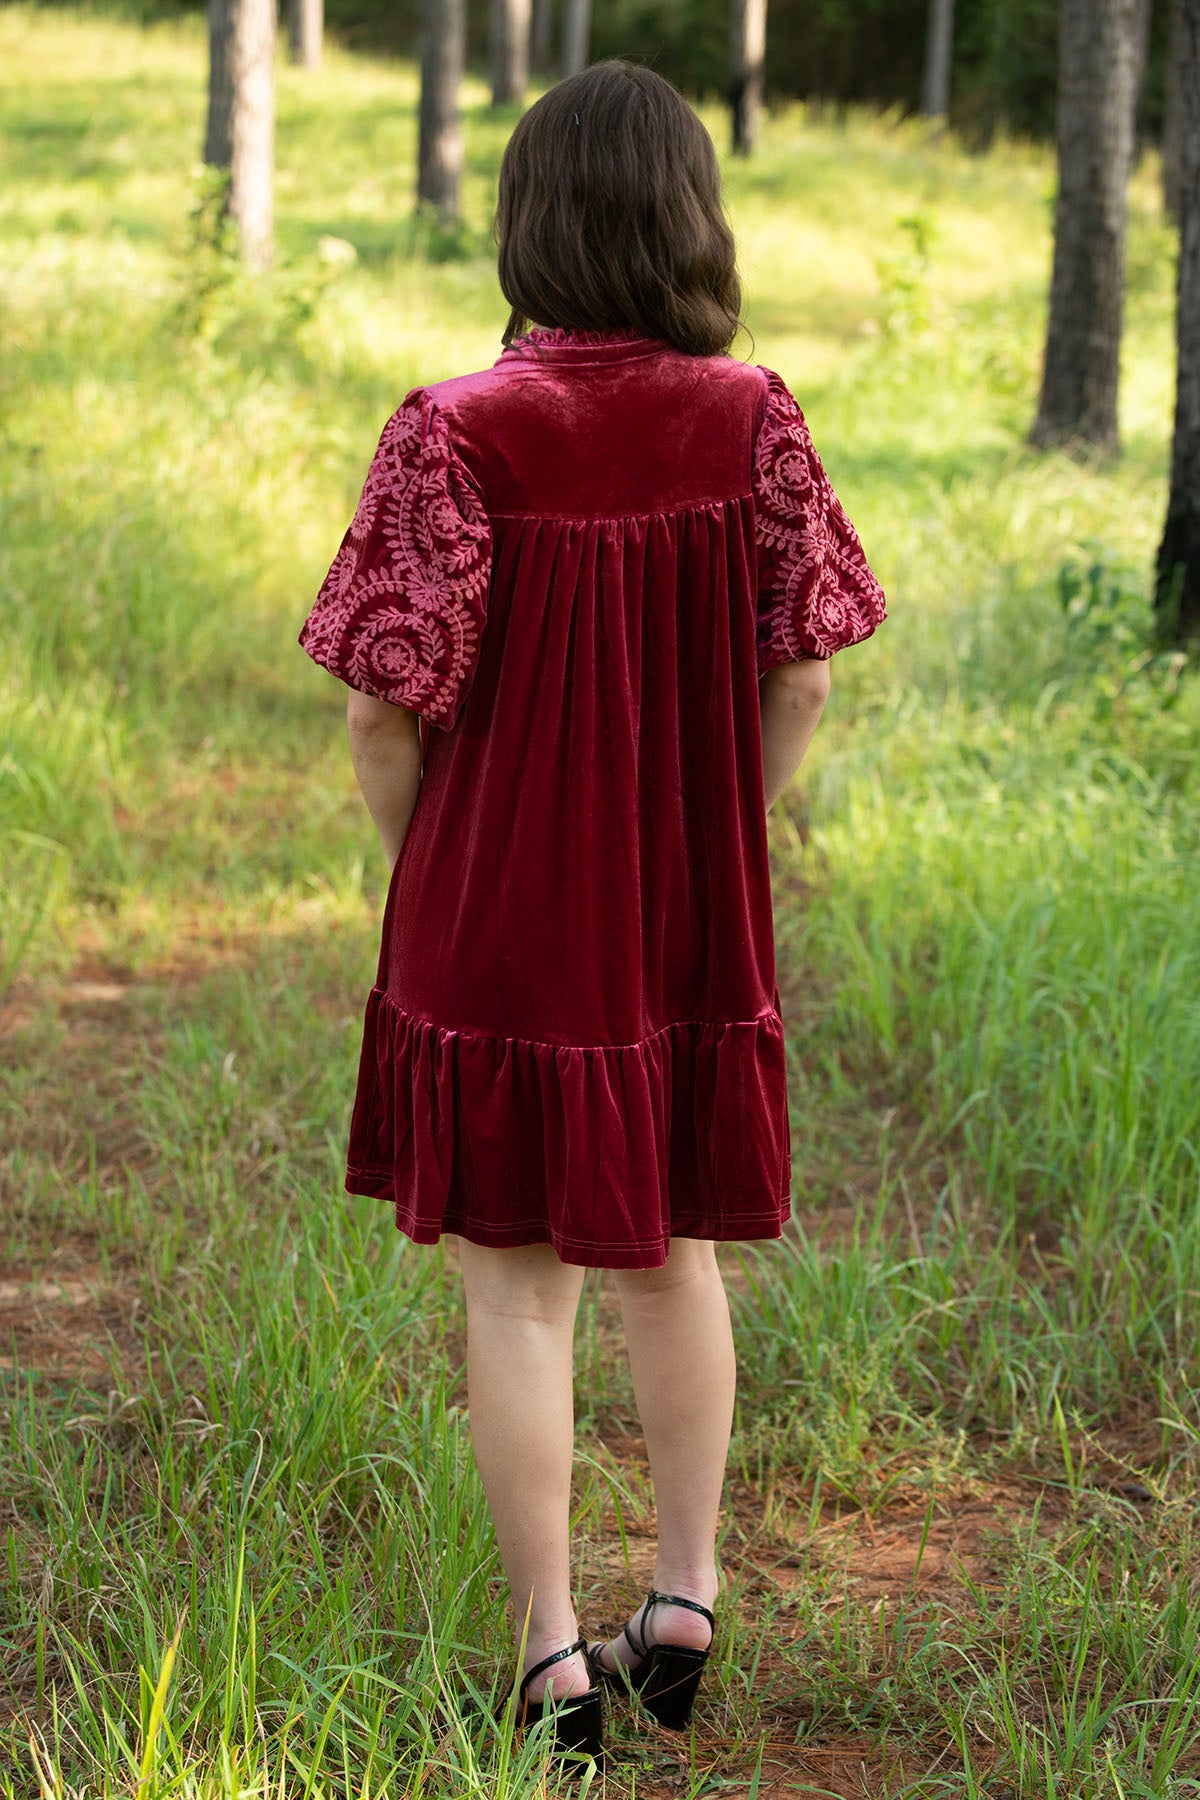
(604, 1151)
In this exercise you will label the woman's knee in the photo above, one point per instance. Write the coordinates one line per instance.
(527, 1281)
(689, 1260)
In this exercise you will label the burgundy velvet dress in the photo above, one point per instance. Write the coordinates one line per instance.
(575, 566)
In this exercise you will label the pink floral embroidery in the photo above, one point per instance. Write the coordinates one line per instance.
(817, 593)
(400, 613)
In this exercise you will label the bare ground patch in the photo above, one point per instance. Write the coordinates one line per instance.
(68, 1305)
(69, 1319)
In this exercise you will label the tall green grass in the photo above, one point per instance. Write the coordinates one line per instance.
(254, 1559)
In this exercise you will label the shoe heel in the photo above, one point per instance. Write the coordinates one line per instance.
(578, 1718)
(668, 1691)
(579, 1728)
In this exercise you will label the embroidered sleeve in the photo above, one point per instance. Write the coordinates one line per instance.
(401, 611)
(816, 592)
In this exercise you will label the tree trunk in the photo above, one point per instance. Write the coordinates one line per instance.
(1172, 126)
(439, 138)
(576, 35)
(1178, 575)
(240, 132)
(508, 50)
(305, 27)
(218, 131)
(252, 187)
(939, 57)
(1097, 69)
(1141, 56)
(747, 47)
(539, 35)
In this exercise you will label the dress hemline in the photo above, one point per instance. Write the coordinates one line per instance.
(649, 1253)
(603, 1151)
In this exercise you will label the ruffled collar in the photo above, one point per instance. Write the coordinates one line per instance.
(564, 336)
(569, 343)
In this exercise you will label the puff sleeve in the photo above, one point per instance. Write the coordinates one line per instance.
(816, 591)
(402, 609)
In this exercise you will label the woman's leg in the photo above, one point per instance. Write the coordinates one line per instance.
(681, 1353)
(521, 1307)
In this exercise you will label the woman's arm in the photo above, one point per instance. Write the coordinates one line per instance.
(385, 748)
(791, 698)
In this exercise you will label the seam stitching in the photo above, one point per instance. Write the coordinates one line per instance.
(662, 512)
(491, 1037)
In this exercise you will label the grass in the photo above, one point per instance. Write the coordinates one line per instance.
(242, 1545)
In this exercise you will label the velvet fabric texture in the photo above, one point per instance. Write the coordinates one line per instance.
(576, 565)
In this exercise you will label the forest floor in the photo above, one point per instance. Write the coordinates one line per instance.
(874, 1564)
(73, 1312)
(243, 1549)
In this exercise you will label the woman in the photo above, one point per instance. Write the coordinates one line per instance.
(608, 573)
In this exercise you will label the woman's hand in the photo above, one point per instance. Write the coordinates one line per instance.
(385, 748)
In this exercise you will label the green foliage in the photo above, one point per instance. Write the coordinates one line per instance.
(843, 51)
(904, 291)
(231, 312)
(1114, 643)
(850, 51)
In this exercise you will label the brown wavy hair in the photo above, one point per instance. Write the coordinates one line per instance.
(610, 214)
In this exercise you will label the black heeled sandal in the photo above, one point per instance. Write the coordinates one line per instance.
(667, 1677)
(578, 1718)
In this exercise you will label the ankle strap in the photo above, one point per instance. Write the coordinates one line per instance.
(547, 1662)
(677, 1599)
(653, 1599)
